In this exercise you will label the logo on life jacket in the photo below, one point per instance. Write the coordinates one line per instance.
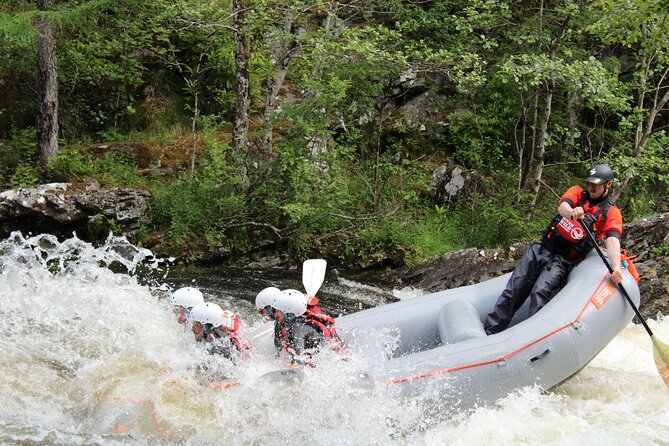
(570, 230)
(230, 321)
(565, 236)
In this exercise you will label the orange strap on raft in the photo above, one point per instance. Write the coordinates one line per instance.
(225, 385)
(630, 266)
(121, 428)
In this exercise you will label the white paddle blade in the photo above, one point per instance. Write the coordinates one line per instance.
(283, 376)
(313, 274)
(661, 354)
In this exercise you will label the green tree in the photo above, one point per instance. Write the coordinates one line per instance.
(195, 40)
(555, 80)
(641, 27)
(242, 76)
(26, 24)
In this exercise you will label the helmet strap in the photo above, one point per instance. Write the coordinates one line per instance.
(206, 329)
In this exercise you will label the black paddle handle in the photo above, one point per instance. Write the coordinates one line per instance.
(620, 285)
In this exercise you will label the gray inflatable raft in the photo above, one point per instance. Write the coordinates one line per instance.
(434, 346)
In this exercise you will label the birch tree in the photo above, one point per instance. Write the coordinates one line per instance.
(47, 88)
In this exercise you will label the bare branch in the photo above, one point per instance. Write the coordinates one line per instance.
(274, 229)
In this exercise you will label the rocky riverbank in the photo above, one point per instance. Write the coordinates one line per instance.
(91, 212)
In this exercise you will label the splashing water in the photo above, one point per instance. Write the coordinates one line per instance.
(90, 355)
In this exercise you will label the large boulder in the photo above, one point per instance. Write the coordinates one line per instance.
(451, 181)
(460, 268)
(648, 239)
(63, 208)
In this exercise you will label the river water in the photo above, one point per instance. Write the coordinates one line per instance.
(91, 354)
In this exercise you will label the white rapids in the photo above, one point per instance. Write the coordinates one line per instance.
(92, 356)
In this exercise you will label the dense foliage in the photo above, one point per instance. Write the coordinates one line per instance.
(353, 106)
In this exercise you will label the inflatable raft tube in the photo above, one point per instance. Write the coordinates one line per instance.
(440, 350)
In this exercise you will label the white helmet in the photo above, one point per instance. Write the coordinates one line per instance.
(207, 313)
(291, 301)
(187, 297)
(266, 297)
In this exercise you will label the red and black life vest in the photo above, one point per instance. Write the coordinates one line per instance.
(565, 236)
(318, 319)
(241, 345)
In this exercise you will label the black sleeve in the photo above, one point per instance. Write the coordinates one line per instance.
(279, 342)
(221, 346)
(567, 200)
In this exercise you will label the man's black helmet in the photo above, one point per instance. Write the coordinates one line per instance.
(599, 174)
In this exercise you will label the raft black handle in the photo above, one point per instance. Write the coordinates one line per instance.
(540, 356)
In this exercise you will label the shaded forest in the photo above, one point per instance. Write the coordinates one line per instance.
(318, 126)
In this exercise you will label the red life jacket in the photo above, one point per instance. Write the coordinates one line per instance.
(318, 319)
(230, 325)
(565, 236)
(241, 345)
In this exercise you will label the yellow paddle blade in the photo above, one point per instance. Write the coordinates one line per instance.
(661, 354)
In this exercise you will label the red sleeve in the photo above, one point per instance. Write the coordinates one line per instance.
(572, 195)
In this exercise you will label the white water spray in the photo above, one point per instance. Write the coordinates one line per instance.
(91, 356)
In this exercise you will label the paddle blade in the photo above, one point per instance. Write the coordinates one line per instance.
(313, 274)
(284, 375)
(661, 354)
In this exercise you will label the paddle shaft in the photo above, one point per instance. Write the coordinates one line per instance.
(620, 285)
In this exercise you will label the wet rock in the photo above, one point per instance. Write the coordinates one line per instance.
(460, 268)
(63, 208)
(648, 239)
(644, 234)
(450, 181)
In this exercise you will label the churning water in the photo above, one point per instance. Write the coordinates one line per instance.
(91, 354)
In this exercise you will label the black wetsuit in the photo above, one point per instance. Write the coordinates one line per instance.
(539, 275)
(226, 345)
(300, 339)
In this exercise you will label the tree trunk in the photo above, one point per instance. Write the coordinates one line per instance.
(525, 174)
(47, 91)
(243, 100)
(541, 149)
(645, 129)
(196, 115)
(572, 110)
(281, 53)
(521, 144)
(527, 171)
